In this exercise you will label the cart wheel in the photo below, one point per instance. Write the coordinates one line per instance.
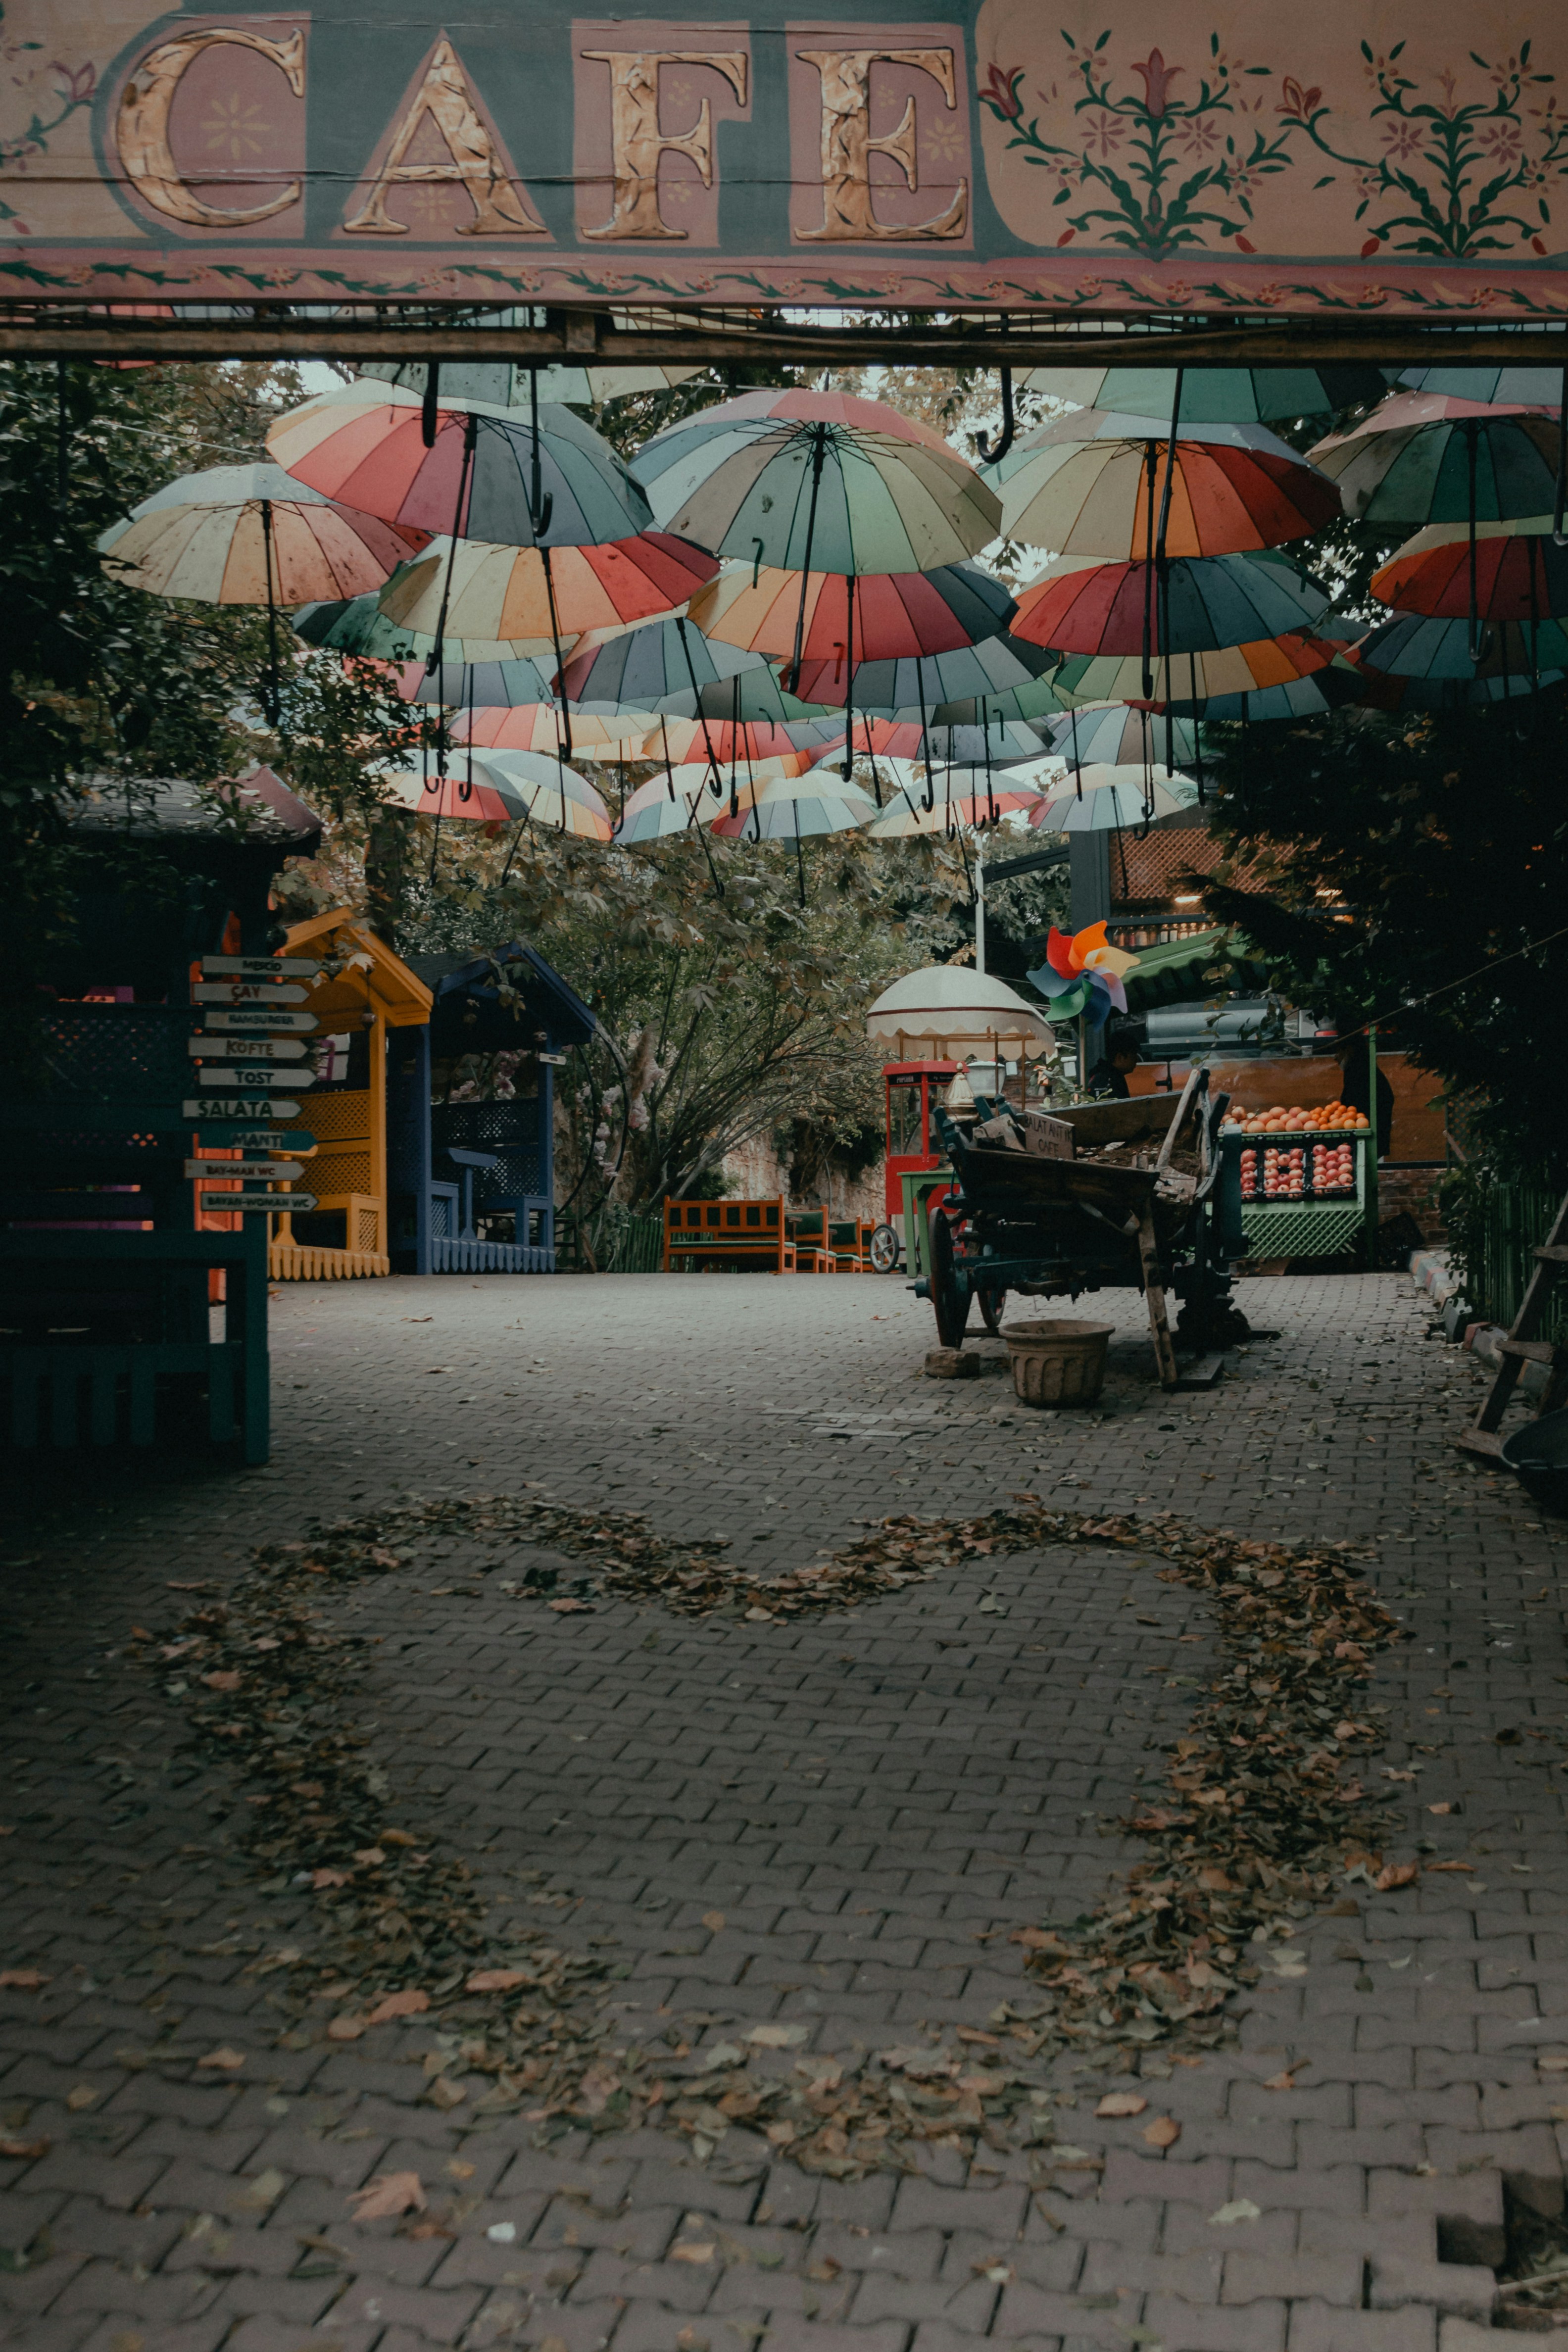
(883, 1250)
(951, 1305)
(992, 1304)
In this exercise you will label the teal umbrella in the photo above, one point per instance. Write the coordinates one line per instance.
(1213, 396)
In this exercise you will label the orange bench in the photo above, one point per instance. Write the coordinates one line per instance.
(727, 1233)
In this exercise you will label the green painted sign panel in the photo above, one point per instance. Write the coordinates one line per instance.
(1405, 160)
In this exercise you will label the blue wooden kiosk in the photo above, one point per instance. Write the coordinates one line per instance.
(128, 1310)
(472, 1110)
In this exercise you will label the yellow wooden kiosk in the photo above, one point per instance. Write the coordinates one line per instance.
(365, 991)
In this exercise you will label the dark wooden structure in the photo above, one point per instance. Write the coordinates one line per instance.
(128, 1310)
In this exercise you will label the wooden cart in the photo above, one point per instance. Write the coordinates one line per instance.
(1106, 1195)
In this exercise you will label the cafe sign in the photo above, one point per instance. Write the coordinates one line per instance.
(1361, 156)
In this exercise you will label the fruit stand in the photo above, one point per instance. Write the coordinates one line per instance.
(1302, 1178)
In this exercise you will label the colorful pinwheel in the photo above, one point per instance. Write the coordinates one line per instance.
(1082, 974)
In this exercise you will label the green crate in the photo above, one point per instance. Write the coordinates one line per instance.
(1301, 1231)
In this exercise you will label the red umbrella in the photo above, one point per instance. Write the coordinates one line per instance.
(532, 599)
(1504, 571)
(888, 615)
(1190, 604)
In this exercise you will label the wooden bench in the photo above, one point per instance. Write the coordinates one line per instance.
(734, 1233)
(812, 1249)
(849, 1239)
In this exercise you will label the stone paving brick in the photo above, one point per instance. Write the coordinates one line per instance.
(890, 1800)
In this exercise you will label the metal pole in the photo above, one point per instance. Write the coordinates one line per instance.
(980, 905)
(1372, 1143)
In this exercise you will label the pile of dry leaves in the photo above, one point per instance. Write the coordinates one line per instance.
(1265, 1813)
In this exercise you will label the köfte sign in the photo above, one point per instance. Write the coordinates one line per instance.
(1404, 157)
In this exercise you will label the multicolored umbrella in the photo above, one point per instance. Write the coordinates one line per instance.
(500, 791)
(553, 795)
(1118, 736)
(1115, 800)
(463, 685)
(1193, 677)
(536, 727)
(1006, 742)
(757, 694)
(731, 744)
(486, 473)
(357, 626)
(1034, 700)
(1426, 458)
(659, 808)
(813, 481)
(1522, 387)
(252, 535)
(1098, 484)
(502, 383)
(797, 808)
(1212, 395)
(472, 590)
(1427, 651)
(1192, 605)
(1497, 572)
(885, 616)
(664, 665)
(902, 689)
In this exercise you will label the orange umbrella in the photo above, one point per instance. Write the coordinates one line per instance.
(534, 599)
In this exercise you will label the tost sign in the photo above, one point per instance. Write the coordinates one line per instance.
(1411, 159)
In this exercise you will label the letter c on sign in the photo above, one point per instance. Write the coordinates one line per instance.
(142, 125)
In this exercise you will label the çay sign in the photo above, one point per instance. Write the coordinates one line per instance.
(1408, 158)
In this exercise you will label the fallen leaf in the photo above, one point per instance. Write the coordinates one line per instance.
(345, 2029)
(458, 2169)
(24, 1979)
(324, 1878)
(412, 2002)
(1556, 2065)
(398, 1837)
(226, 2060)
(264, 2190)
(82, 2096)
(569, 1608)
(24, 2150)
(1163, 2132)
(713, 1919)
(1450, 1865)
(1240, 2208)
(1122, 2102)
(502, 2233)
(445, 2094)
(496, 1979)
(225, 1679)
(692, 2253)
(1396, 1874)
(370, 1856)
(1286, 2078)
(388, 2195)
(1440, 1809)
(777, 2037)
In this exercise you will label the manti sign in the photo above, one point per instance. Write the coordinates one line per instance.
(1403, 156)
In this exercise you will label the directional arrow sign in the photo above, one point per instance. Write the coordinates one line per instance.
(223, 1171)
(260, 967)
(246, 1049)
(259, 1020)
(245, 991)
(211, 1114)
(249, 1203)
(264, 1077)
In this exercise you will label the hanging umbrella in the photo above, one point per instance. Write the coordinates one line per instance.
(1426, 458)
(485, 473)
(900, 689)
(552, 793)
(465, 685)
(797, 808)
(1212, 395)
(1523, 387)
(1115, 800)
(1502, 571)
(360, 628)
(500, 791)
(1119, 737)
(470, 590)
(756, 694)
(503, 384)
(1430, 650)
(722, 739)
(817, 481)
(536, 727)
(1192, 605)
(661, 807)
(906, 818)
(1007, 741)
(1095, 483)
(1327, 688)
(1192, 678)
(1031, 703)
(663, 665)
(250, 535)
(883, 616)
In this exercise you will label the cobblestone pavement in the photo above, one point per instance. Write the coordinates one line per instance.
(869, 1802)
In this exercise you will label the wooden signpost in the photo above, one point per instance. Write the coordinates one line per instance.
(242, 994)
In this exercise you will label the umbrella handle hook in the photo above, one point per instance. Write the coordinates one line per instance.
(427, 406)
(1003, 441)
(757, 562)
